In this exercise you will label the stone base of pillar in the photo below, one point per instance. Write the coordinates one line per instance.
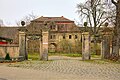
(45, 55)
(86, 56)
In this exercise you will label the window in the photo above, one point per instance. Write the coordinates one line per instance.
(63, 36)
(70, 36)
(52, 27)
(52, 36)
(76, 37)
(62, 27)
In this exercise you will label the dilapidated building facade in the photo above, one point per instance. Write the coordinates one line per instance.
(64, 35)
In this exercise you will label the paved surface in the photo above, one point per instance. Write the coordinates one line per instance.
(65, 69)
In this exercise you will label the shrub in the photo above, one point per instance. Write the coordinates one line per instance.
(7, 57)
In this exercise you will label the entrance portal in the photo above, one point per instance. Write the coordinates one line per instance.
(39, 42)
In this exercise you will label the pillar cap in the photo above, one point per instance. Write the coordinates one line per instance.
(23, 29)
(86, 33)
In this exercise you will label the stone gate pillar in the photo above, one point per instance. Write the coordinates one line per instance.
(22, 43)
(105, 45)
(41, 48)
(85, 46)
(44, 44)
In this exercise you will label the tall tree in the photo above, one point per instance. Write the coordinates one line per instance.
(116, 37)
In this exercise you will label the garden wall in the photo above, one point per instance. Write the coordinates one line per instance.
(12, 49)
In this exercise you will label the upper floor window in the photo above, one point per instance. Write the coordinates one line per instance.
(52, 36)
(52, 27)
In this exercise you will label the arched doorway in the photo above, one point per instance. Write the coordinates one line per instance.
(52, 47)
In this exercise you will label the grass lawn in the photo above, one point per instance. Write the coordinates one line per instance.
(34, 56)
(66, 54)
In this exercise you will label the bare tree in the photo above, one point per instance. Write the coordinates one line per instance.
(95, 14)
(28, 18)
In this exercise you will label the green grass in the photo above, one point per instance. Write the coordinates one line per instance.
(73, 55)
(65, 54)
(95, 56)
(33, 56)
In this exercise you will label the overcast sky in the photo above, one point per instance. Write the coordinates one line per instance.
(14, 10)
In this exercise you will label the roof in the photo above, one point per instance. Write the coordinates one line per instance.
(7, 39)
(56, 19)
(9, 32)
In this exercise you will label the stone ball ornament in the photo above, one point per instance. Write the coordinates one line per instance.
(106, 24)
(22, 23)
(85, 23)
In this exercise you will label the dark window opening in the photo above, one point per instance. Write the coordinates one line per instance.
(54, 27)
(70, 36)
(63, 36)
(50, 36)
(76, 37)
(50, 27)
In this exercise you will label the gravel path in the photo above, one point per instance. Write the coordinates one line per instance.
(61, 69)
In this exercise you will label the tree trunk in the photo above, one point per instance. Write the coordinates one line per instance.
(116, 37)
(115, 48)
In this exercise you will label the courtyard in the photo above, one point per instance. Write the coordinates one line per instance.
(61, 68)
(58, 45)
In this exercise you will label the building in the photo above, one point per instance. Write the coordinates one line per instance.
(64, 35)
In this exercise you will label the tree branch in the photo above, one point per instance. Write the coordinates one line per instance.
(100, 17)
(90, 22)
(101, 24)
(114, 2)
